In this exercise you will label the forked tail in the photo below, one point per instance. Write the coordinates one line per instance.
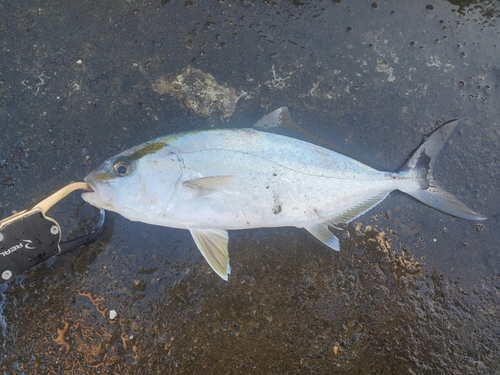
(422, 163)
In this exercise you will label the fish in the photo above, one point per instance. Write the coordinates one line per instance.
(273, 174)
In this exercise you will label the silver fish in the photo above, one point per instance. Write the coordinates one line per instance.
(211, 181)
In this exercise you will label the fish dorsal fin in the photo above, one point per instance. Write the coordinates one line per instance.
(280, 122)
(322, 233)
(212, 244)
(208, 185)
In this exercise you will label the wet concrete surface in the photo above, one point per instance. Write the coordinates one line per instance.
(411, 291)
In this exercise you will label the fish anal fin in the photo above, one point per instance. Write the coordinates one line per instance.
(322, 233)
(212, 244)
(208, 185)
(358, 210)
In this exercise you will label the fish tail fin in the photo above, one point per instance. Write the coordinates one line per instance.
(422, 163)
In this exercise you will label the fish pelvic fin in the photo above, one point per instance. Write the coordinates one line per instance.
(212, 244)
(422, 162)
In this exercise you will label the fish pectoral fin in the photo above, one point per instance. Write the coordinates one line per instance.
(322, 233)
(208, 185)
(212, 244)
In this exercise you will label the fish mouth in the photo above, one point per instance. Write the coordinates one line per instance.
(88, 188)
(90, 183)
(90, 195)
(98, 195)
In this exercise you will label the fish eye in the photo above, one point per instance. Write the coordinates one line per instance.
(122, 168)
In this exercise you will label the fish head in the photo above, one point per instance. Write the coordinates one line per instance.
(137, 183)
